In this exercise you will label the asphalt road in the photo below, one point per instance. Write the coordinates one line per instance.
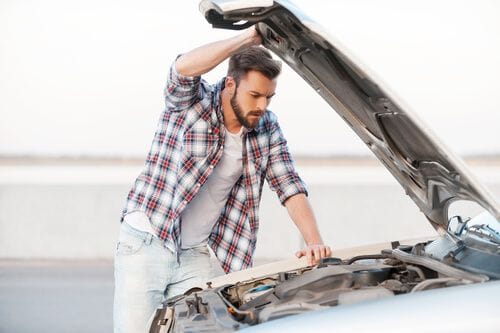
(60, 296)
(56, 297)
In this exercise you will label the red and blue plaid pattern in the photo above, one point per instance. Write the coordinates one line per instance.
(186, 147)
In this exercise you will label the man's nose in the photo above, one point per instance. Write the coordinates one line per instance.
(262, 104)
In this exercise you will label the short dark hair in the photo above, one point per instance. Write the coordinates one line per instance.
(253, 58)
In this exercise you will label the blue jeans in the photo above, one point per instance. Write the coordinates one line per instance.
(147, 273)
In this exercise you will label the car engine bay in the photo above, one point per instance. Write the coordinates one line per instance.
(334, 282)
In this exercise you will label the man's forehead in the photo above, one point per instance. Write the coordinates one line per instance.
(259, 83)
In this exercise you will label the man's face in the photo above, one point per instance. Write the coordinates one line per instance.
(251, 98)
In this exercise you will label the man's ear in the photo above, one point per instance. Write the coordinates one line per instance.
(230, 84)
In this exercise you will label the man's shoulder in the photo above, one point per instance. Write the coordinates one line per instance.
(267, 122)
(208, 98)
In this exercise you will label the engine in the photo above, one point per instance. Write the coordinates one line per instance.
(334, 282)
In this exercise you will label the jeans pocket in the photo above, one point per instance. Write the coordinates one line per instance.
(128, 243)
(128, 247)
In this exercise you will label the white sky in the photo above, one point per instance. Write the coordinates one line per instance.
(86, 77)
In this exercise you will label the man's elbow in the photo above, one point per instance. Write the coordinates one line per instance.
(181, 67)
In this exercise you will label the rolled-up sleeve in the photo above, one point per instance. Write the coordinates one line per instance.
(281, 175)
(181, 91)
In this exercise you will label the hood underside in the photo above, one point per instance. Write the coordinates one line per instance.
(430, 174)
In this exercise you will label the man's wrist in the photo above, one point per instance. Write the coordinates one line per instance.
(315, 242)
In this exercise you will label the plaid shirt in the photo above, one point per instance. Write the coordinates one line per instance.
(187, 146)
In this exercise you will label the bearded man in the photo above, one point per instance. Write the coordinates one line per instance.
(202, 181)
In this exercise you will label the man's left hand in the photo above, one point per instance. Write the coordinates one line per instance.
(314, 253)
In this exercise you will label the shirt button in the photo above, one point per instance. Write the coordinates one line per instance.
(209, 131)
(184, 202)
(198, 184)
(211, 166)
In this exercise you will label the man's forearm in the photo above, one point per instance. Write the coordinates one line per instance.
(302, 215)
(202, 59)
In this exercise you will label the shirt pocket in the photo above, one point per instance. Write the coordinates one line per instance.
(258, 155)
(259, 164)
(255, 175)
(200, 139)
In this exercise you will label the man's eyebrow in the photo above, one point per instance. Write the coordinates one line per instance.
(259, 94)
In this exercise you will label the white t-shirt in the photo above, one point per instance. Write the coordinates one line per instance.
(201, 214)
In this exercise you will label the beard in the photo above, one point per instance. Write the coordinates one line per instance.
(243, 120)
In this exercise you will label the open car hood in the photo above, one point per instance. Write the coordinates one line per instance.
(430, 174)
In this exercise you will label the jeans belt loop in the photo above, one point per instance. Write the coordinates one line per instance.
(149, 239)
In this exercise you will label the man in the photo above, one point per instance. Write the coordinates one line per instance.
(202, 181)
